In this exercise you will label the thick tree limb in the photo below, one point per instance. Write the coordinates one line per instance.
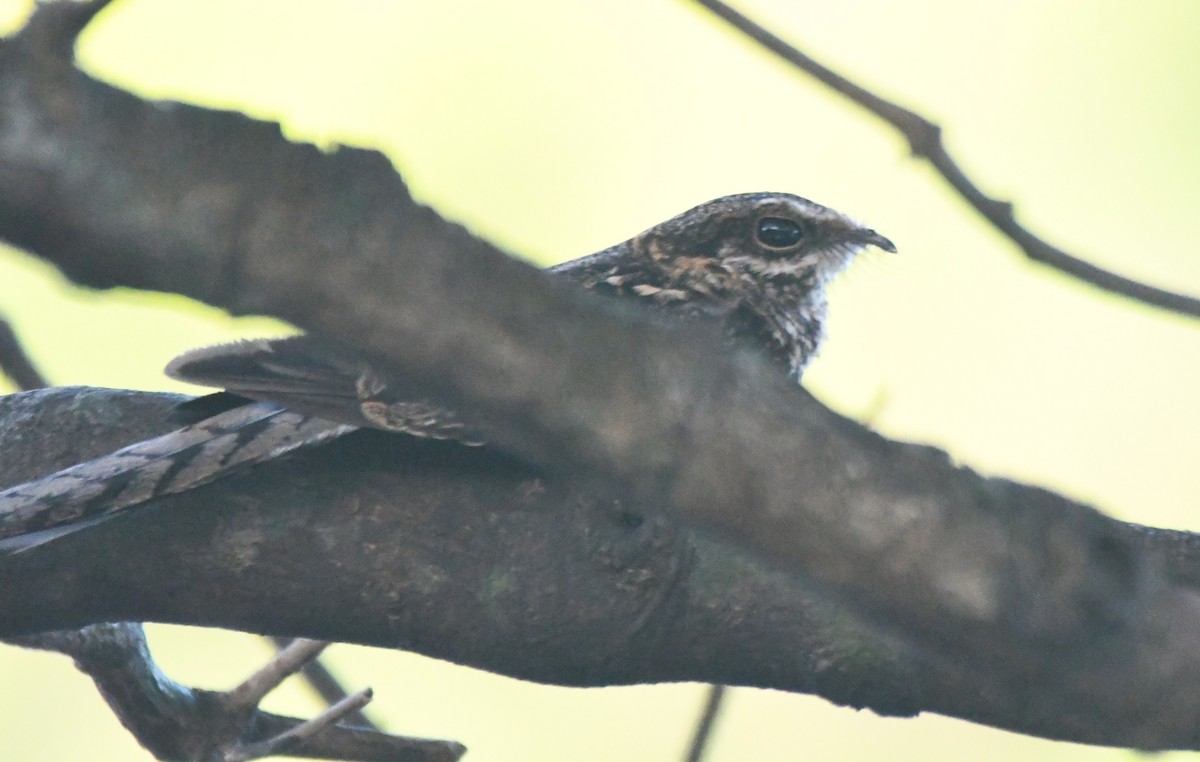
(466, 555)
(1037, 603)
(925, 140)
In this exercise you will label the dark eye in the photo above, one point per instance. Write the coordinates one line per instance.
(778, 233)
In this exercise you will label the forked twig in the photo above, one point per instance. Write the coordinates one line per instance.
(174, 721)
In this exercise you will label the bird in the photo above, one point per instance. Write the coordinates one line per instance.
(757, 265)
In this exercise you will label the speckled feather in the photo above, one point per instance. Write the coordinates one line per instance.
(704, 264)
(756, 264)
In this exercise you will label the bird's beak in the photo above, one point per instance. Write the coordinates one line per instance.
(869, 237)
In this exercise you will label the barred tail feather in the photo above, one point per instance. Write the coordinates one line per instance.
(86, 494)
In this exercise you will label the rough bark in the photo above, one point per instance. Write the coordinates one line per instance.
(872, 572)
(473, 557)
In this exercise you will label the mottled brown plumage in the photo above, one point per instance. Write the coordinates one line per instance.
(716, 262)
(755, 264)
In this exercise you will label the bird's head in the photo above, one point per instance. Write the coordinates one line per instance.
(766, 235)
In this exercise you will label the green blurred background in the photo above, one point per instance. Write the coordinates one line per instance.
(557, 127)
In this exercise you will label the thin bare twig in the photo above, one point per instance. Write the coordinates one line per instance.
(15, 363)
(321, 680)
(296, 736)
(925, 139)
(287, 662)
(706, 723)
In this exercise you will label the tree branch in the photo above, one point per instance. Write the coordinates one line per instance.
(128, 638)
(15, 363)
(925, 139)
(325, 685)
(1034, 612)
(704, 727)
(175, 722)
(465, 555)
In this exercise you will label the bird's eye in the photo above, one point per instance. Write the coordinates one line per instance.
(778, 233)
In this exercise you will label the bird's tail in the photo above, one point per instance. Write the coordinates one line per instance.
(86, 494)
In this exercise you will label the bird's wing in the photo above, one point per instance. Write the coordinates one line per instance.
(316, 379)
(313, 378)
(310, 377)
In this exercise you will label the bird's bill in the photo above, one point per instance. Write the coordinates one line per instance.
(871, 238)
